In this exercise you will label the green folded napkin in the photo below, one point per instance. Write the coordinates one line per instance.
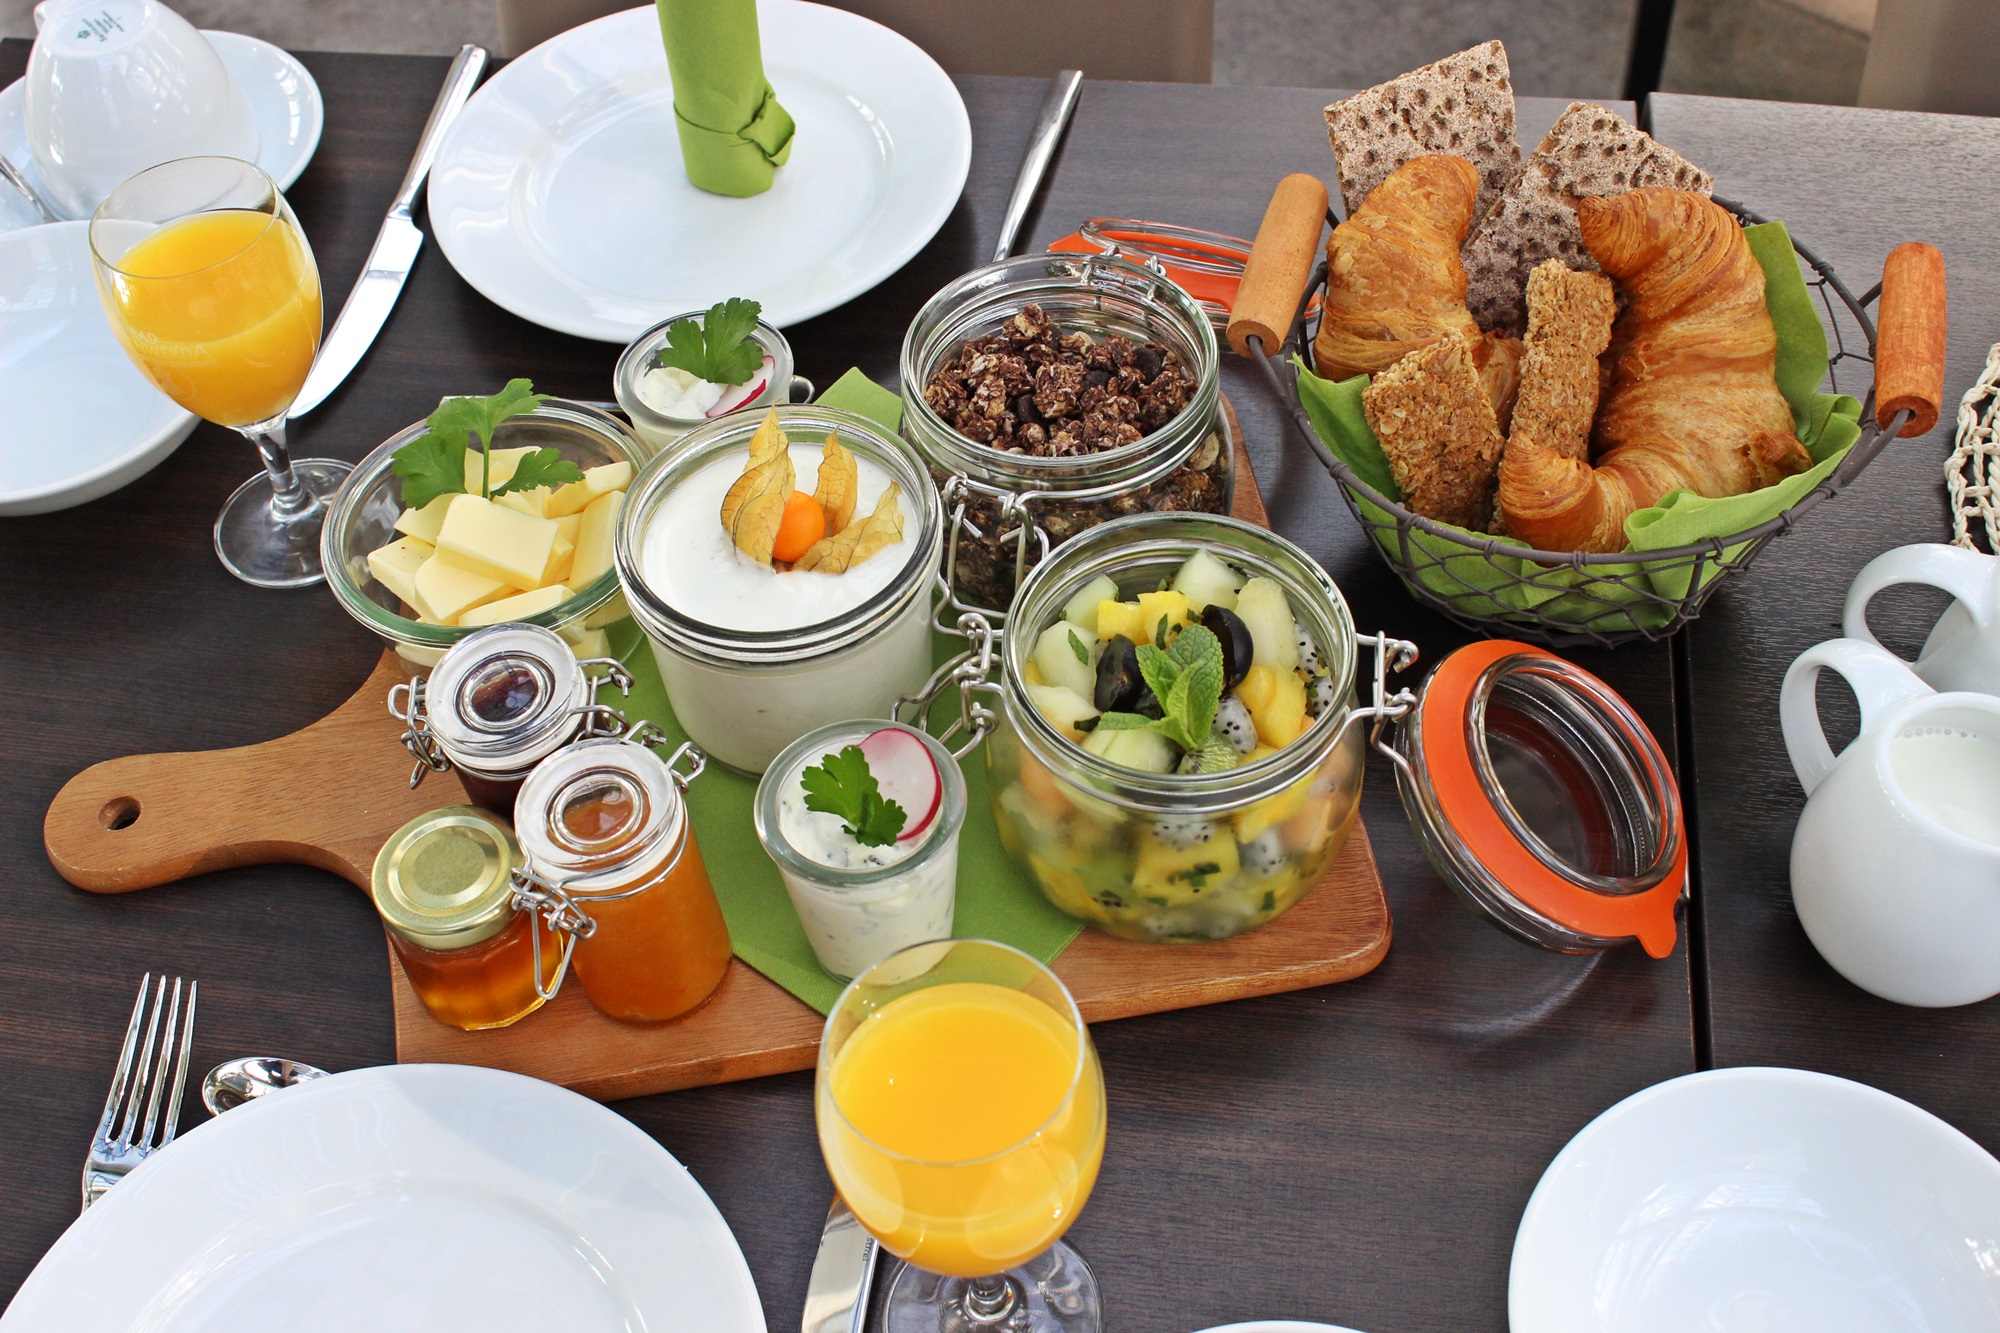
(1474, 584)
(734, 134)
(996, 900)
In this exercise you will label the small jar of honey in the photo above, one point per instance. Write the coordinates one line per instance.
(443, 885)
(501, 701)
(611, 856)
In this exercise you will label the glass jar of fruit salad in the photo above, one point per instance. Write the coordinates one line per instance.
(501, 701)
(611, 862)
(755, 657)
(1180, 812)
(1050, 393)
(443, 886)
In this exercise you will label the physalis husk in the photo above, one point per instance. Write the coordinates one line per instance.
(755, 505)
(857, 541)
(838, 487)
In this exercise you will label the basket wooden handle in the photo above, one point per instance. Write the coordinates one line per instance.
(1281, 259)
(1909, 337)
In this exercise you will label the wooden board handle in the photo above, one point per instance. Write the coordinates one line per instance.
(1909, 337)
(1281, 259)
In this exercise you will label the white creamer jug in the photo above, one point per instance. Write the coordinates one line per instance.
(1896, 860)
(117, 86)
(1963, 650)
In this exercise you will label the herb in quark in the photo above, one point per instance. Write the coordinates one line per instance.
(717, 347)
(842, 785)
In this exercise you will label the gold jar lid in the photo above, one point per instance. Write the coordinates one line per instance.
(445, 879)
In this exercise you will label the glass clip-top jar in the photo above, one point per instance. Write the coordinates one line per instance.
(610, 862)
(1008, 507)
(501, 701)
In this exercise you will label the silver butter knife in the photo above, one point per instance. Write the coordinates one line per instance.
(1057, 108)
(843, 1275)
(396, 246)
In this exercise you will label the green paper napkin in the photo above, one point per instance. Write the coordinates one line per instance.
(734, 134)
(1827, 424)
(996, 901)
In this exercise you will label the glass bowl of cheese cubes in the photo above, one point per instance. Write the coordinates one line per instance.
(423, 578)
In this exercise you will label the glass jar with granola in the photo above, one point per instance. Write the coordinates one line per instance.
(1050, 393)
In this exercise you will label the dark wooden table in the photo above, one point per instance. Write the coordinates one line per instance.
(1358, 1154)
(1852, 184)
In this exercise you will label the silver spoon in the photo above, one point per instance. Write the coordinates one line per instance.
(234, 1082)
(12, 175)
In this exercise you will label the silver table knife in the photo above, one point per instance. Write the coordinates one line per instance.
(396, 246)
(1057, 108)
(843, 1274)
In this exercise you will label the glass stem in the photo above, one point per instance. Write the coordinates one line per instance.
(990, 1300)
(289, 496)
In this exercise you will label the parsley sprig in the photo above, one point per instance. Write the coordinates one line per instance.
(433, 464)
(1186, 678)
(717, 348)
(841, 784)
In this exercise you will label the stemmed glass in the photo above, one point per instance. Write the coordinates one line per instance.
(961, 1113)
(211, 288)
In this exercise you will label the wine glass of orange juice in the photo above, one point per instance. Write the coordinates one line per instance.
(961, 1112)
(211, 288)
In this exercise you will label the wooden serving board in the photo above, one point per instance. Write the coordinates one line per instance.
(330, 795)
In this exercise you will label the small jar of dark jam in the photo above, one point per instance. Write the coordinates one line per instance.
(501, 701)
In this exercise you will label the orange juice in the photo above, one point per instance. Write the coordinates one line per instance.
(222, 311)
(966, 1136)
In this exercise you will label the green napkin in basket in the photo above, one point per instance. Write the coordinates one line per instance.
(734, 134)
(995, 900)
(1827, 424)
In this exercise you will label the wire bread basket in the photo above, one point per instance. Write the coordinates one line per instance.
(1567, 598)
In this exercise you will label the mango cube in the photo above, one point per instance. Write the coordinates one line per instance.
(1115, 618)
(518, 607)
(423, 524)
(501, 543)
(395, 566)
(593, 539)
(1172, 607)
(442, 591)
(577, 496)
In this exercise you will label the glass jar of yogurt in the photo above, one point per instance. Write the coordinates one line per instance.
(861, 903)
(665, 405)
(1009, 506)
(754, 658)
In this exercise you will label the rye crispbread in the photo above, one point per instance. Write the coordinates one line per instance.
(1438, 432)
(1463, 105)
(1589, 151)
(1569, 326)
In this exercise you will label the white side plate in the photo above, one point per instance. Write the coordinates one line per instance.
(415, 1197)
(559, 193)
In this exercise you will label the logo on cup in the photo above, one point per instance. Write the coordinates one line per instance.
(99, 27)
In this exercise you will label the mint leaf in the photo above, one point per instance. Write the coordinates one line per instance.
(1186, 677)
(425, 463)
(717, 348)
(1123, 722)
(1076, 646)
(842, 785)
(544, 467)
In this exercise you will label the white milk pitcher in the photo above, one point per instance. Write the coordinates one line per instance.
(1963, 650)
(1896, 860)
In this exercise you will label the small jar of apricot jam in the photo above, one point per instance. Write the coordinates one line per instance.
(443, 885)
(498, 703)
(611, 856)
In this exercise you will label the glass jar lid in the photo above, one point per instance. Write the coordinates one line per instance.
(601, 816)
(445, 879)
(505, 697)
(1542, 796)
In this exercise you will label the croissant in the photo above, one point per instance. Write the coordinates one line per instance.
(1693, 400)
(1394, 281)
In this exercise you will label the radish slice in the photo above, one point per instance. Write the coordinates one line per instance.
(736, 395)
(907, 775)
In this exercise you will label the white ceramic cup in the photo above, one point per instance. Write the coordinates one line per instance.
(117, 86)
(1963, 650)
(1896, 860)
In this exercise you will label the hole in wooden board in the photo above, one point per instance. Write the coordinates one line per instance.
(119, 812)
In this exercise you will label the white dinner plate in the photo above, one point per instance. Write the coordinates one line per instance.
(427, 1198)
(1761, 1201)
(284, 102)
(80, 420)
(559, 192)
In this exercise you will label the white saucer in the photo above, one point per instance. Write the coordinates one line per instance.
(80, 419)
(413, 1197)
(559, 193)
(284, 101)
(1761, 1201)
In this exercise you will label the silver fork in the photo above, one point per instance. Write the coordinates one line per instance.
(116, 1149)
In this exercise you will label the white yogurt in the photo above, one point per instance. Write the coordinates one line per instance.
(676, 393)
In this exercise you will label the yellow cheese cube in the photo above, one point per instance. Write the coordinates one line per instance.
(588, 643)
(443, 591)
(423, 524)
(561, 559)
(577, 495)
(518, 607)
(568, 526)
(395, 566)
(528, 502)
(501, 543)
(504, 463)
(593, 539)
